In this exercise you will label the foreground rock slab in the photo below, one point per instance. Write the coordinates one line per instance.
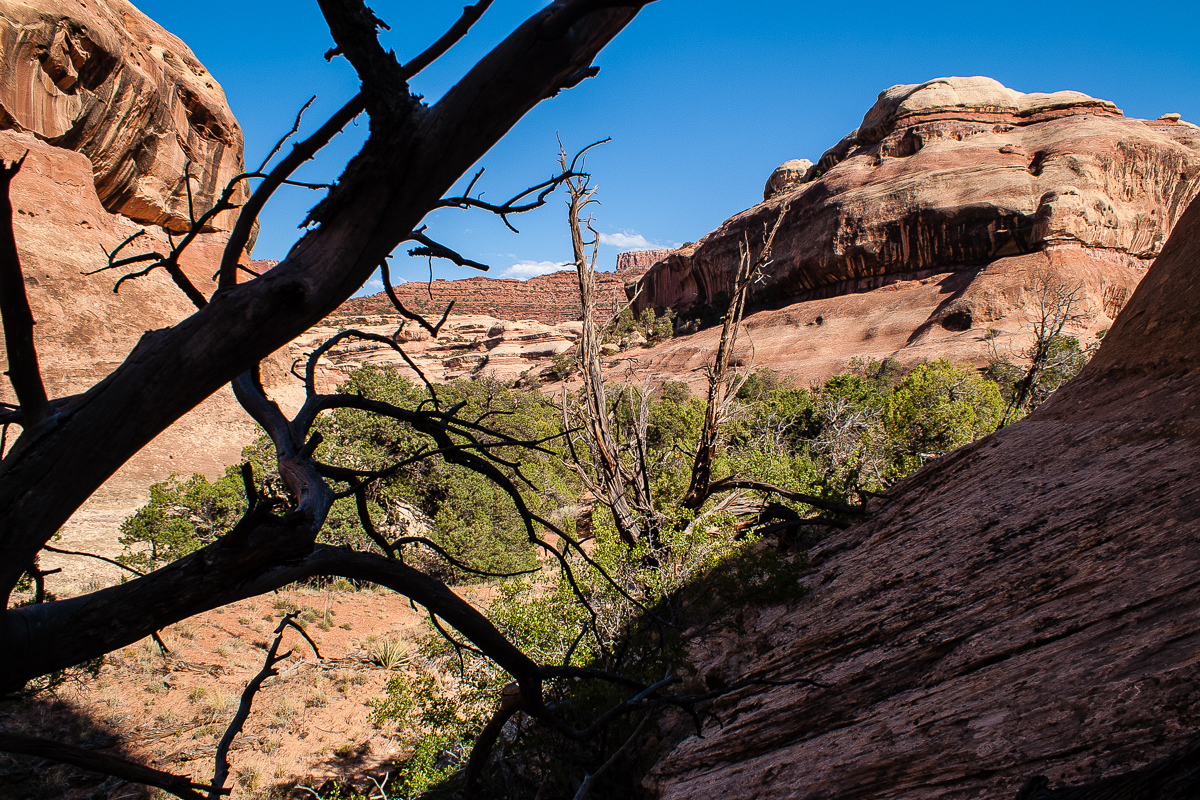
(1023, 607)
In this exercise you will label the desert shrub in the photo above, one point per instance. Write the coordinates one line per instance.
(1065, 356)
(182, 516)
(470, 516)
(935, 409)
(698, 573)
(703, 315)
(652, 325)
(563, 366)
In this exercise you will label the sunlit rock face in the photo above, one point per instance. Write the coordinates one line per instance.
(957, 174)
(103, 79)
(112, 114)
(788, 177)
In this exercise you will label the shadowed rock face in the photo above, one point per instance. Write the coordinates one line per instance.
(954, 174)
(103, 79)
(1025, 606)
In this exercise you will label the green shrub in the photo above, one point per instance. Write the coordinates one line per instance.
(935, 409)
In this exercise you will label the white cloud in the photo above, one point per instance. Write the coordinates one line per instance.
(629, 240)
(524, 270)
(373, 286)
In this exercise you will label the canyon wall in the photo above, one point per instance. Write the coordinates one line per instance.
(950, 175)
(550, 299)
(1016, 614)
(104, 80)
(111, 114)
(921, 234)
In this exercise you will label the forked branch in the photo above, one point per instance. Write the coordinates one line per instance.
(412, 316)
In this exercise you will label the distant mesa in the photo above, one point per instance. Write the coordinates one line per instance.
(639, 260)
(549, 299)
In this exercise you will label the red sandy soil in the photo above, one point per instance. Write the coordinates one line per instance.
(309, 725)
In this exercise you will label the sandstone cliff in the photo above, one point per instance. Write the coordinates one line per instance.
(104, 80)
(958, 174)
(111, 110)
(915, 237)
(1022, 607)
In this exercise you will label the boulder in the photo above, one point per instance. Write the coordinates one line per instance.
(787, 177)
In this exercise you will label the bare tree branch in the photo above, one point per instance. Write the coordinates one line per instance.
(105, 559)
(611, 478)
(412, 157)
(725, 484)
(748, 270)
(451, 37)
(585, 788)
(23, 368)
(105, 764)
(510, 703)
(434, 330)
(431, 249)
(248, 216)
(221, 759)
(514, 205)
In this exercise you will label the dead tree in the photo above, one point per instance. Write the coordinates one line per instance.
(616, 472)
(68, 446)
(750, 269)
(1055, 307)
(621, 483)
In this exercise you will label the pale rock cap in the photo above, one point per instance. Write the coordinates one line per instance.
(787, 177)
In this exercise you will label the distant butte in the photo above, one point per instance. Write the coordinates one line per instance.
(549, 299)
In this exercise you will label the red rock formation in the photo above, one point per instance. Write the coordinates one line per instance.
(549, 299)
(955, 174)
(1024, 606)
(468, 347)
(103, 79)
(109, 108)
(634, 264)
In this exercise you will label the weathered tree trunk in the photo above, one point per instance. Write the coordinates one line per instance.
(412, 156)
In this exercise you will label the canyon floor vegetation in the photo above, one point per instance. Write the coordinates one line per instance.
(417, 698)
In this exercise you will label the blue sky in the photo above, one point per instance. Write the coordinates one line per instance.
(702, 98)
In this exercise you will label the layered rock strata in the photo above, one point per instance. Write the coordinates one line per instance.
(103, 79)
(112, 115)
(957, 174)
(1022, 607)
(469, 346)
(549, 299)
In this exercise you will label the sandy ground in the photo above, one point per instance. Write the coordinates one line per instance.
(309, 725)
